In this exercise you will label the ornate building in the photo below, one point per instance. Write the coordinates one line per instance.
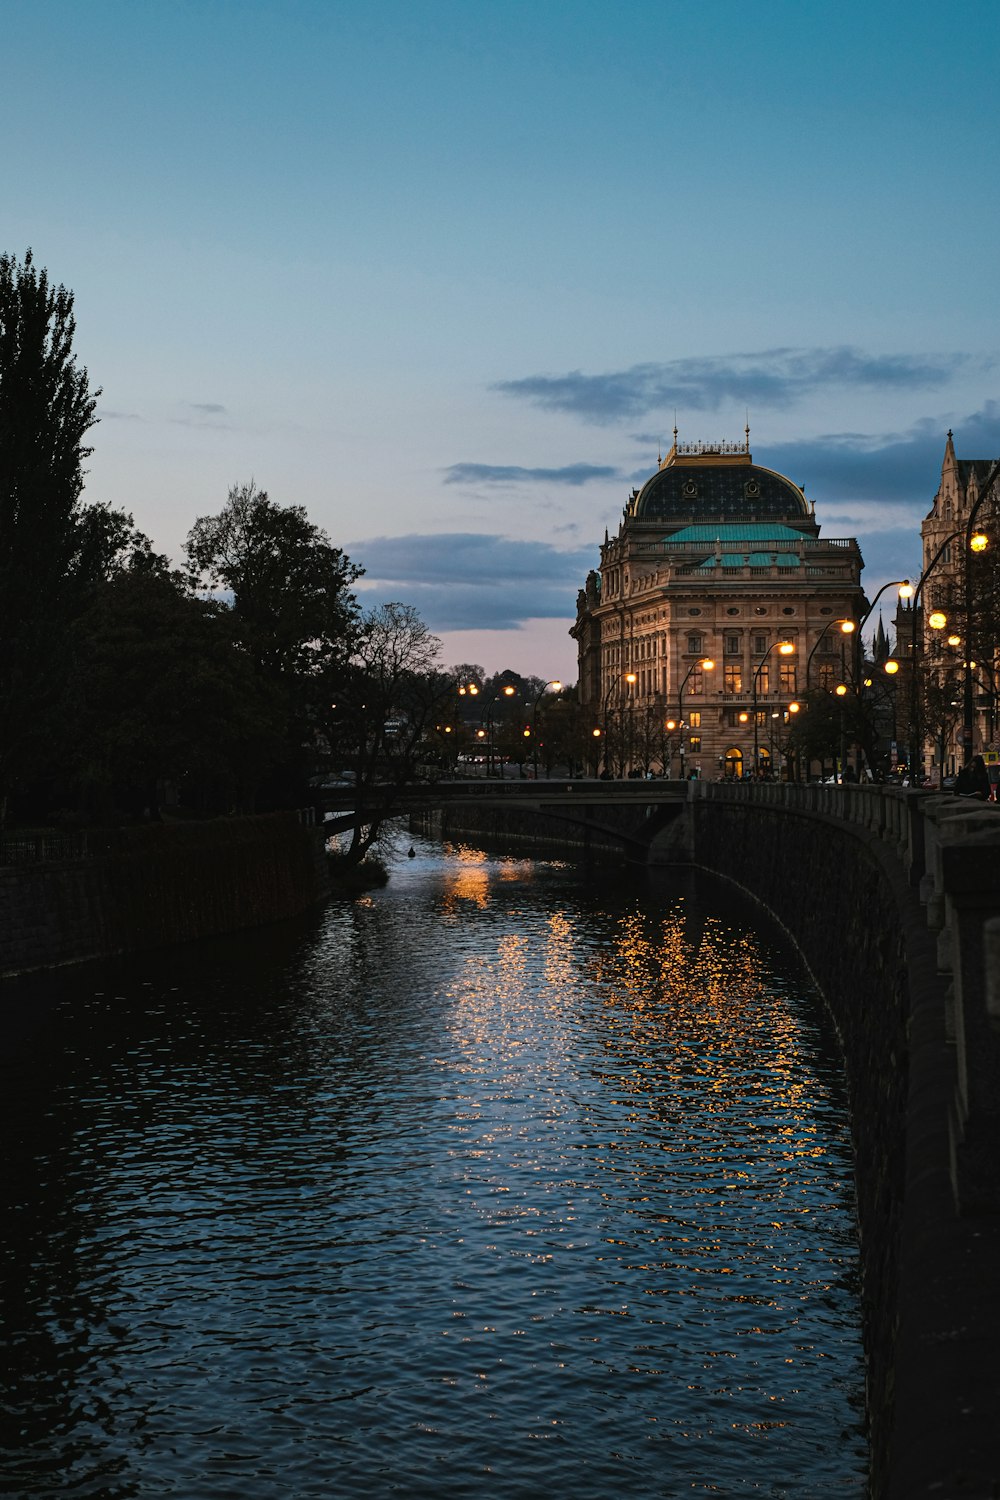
(931, 633)
(717, 565)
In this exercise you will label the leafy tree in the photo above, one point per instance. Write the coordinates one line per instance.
(291, 587)
(161, 696)
(46, 410)
(293, 611)
(386, 705)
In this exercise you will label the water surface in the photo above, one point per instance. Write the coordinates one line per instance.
(508, 1180)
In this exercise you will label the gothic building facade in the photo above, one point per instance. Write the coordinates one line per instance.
(714, 608)
(931, 633)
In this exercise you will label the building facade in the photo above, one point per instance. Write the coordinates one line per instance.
(931, 632)
(714, 608)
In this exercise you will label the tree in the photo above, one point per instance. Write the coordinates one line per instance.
(291, 587)
(159, 695)
(46, 410)
(293, 611)
(385, 708)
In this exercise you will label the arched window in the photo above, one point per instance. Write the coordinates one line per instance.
(734, 764)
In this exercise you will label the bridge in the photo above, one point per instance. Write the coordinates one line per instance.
(576, 804)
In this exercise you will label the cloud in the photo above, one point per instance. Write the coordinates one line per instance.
(504, 474)
(773, 378)
(198, 414)
(886, 469)
(106, 415)
(467, 581)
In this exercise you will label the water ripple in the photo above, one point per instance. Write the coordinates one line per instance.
(503, 1181)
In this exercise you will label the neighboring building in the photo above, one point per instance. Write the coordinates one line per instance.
(939, 649)
(715, 558)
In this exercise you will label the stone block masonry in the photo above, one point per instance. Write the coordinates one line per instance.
(153, 886)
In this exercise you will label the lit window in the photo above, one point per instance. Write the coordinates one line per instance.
(786, 677)
(695, 719)
(695, 742)
(826, 676)
(734, 679)
(764, 678)
(696, 685)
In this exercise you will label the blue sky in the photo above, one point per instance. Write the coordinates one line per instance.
(444, 272)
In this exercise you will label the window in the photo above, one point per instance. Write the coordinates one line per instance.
(734, 679)
(764, 677)
(826, 646)
(788, 610)
(696, 684)
(732, 610)
(695, 719)
(826, 676)
(759, 644)
(695, 742)
(695, 644)
(786, 677)
(733, 645)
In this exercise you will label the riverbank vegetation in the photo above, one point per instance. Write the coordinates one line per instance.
(133, 689)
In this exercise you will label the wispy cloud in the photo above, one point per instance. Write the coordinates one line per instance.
(508, 474)
(775, 378)
(466, 581)
(201, 414)
(886, 469)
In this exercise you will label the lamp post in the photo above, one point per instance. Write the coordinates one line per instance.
(847, 627)
(706, 664)
(507, 691)
(555, 683)
(616, 682)
(975, 541)
(784, 648)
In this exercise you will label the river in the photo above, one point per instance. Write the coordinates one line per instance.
(509, 1180)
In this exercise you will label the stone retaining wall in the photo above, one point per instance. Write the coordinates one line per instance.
(152, 886)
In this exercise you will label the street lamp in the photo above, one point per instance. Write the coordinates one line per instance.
(507, 691)
(783, 648)
(975, 541)
(555, 683)
(616, 682)
(706, 664)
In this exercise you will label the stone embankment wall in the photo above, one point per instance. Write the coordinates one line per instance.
(152, 886)
(893, 899)
(831, 892)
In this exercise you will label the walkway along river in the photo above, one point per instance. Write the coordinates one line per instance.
(507, 1180)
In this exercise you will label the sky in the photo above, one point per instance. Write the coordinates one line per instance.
(447, 272)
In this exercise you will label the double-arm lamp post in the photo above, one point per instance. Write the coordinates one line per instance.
(783, 648)
(975, 541)
(507, 691)
(705, 664)
(555, 683)
(616, 682)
